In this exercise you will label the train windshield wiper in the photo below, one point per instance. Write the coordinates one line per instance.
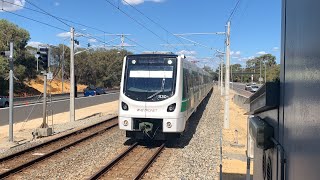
(161, 90)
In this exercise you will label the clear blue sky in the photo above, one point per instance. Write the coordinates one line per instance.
(255, 28)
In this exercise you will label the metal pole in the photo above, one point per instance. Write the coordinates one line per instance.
(221, 154)
(265, 72)
(231, 74)
(260, 73)
(248, 168)
(221, 83)
(11, 94)
(219, 78)
(72, 111)
(227, 79)
(242, 75)
(37, 64)
(44, 108)
(62, 68)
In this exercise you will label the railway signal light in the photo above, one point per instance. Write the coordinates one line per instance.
(44, 57)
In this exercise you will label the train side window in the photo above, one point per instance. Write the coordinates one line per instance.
(191, 80)
(185, 83)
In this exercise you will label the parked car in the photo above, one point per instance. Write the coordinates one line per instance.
(100, 91)
(4, 101)
(89, 91)
(254, 88)
(247, 87)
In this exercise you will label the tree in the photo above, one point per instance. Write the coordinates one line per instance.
(24, 62)
(215, 75)
(268, 62)
(234, 69)
(98, 67)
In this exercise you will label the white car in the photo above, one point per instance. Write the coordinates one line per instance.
(254, 88)
(247, 87)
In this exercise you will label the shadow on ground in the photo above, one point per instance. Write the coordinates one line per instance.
(191, 126)
(233, 176)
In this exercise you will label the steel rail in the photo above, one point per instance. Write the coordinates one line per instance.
(47, 155)
(6, 158)
(150, 161)
(117, 159)
(105, 169)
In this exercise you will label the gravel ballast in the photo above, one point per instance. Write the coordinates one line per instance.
(81, 161)
(196, 154)
(193, 156)
(60, 129)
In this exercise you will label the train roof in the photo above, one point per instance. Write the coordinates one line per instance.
(195, 67)
(161, 54)
(156, 54)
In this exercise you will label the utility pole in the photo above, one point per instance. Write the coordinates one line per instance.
(260, 73)
(241, 75)
(231, 75)
(72, 88)
(221, 83)
(265, 72)
(44, 105)
(11, 94)
(227, 79)
(62, 69)
(220, 56)
(219, 78)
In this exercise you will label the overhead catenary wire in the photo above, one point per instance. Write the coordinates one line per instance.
(52, 26)
(241, 14)
(31, 19)
(42, 11)
(48, 13)
(138, 22)
(87, 36)
(63, 19)
(158, 24)
(137, 44)
(234, 10)
(83, 34)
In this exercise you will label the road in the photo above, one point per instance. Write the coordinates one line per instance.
(34, 99)
(58, 106)
(239, 88)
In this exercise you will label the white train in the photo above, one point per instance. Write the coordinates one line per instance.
(158, 94)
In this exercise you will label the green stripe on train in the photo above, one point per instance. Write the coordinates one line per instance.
(184, 105)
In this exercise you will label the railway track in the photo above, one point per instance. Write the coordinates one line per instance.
(22, 160)
(130, 164)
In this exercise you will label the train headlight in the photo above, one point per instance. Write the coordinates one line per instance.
(124, 106)
(125, 122)
(171, 108)
(169, 125)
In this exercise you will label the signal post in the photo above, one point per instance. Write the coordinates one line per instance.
(44, 130)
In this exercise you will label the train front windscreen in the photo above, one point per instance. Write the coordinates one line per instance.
(149, 78)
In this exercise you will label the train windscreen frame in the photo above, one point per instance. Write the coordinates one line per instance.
(150, 78)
